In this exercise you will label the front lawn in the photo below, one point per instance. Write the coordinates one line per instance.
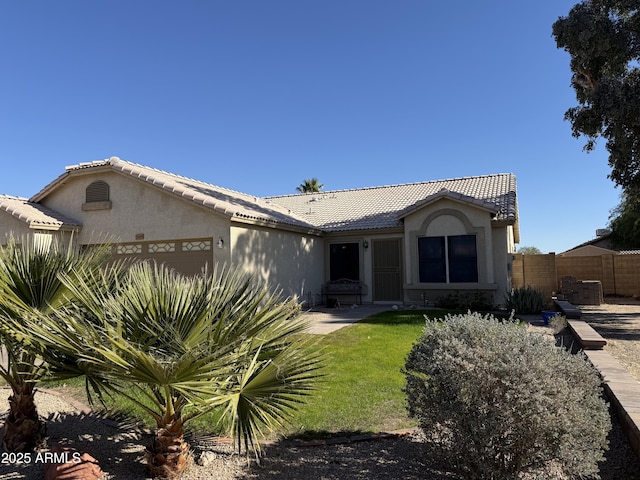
(362, 389)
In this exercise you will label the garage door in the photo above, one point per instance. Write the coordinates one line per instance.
(188, 256)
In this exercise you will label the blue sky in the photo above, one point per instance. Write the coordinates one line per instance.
(259, 95)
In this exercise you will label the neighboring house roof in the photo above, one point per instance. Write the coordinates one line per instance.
(331, 211)
(35, 215)
(587, 250)
(384, 207)
(602, 241)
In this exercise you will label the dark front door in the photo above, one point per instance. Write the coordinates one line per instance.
(387, 270)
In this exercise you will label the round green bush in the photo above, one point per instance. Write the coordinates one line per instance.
(495, 401)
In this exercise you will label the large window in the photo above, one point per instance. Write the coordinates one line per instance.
(344, 261)
(452, 259)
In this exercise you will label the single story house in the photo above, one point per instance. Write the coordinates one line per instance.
(601, 245)
(405, 243)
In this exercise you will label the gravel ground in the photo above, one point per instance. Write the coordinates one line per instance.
(120, 453)
(620, 325)
(120, 450)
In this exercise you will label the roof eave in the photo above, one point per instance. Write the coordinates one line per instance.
(54, 227)
(365, 231)
(279, 225)
(49, 188)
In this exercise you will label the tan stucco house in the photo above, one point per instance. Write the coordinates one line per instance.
(405, 243)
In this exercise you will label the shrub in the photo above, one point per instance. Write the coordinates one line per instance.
(525, 300)
(473, 300)
(495, 401)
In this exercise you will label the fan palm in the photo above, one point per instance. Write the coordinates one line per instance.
(187, 345)
(310, 186)
(30, 284)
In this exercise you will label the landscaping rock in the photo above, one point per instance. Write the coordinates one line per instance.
(77, 467)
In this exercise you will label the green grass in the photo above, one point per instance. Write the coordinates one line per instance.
(362, 389)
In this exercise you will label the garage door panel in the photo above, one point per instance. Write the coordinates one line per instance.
(188, 256)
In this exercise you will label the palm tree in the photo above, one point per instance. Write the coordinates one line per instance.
(309, 186)
(187, 345)
(30, 284)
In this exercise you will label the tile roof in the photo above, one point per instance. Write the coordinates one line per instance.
(383, 207)
(340, 210)
(223, 200)
(34, 214)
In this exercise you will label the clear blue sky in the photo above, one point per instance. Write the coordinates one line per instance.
(259, 95)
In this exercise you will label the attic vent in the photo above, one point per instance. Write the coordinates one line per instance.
(98, 192)
(97, 197)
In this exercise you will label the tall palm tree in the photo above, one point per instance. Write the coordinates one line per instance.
(309, 186)
(30, 284)
(187, 345)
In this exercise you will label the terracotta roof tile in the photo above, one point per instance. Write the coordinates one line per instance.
(34, 214)
(223, 200)
(383, 207)
(340, 210)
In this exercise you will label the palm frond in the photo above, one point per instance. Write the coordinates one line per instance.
(194, 343)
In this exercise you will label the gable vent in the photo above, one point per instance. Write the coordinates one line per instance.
(98, 192)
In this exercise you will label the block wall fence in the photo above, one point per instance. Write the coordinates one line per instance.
(618, 274)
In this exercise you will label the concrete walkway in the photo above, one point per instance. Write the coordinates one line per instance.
(327, 320)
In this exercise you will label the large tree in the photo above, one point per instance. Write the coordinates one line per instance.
(526, 250)
(603, 39)
(624, 221)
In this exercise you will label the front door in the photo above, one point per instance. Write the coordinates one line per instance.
(387, 270)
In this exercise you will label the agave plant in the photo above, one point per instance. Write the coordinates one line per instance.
(186, 346)
(31, 285)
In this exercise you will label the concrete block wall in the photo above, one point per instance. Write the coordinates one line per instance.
(627, 274)
(538, 271)
(617, 274)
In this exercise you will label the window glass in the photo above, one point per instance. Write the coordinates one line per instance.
(431, 254)
(344, 261)
(451, 259)
(463, 258)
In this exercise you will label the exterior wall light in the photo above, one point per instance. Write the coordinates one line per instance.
(365, 244)
(220, 242)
